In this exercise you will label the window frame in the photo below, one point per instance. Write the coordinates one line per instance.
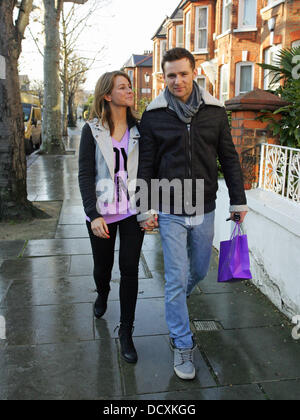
(238, 76)
(179, 45)
(161, 42)
(197, 29)
(266, 73)
(222, 68)
(188, 30)
(202, 78)
(226, 4)
(241, 15)
(170, 38)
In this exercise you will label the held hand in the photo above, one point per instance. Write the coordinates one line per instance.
(99, 228)
(150, 223)
(241, 213)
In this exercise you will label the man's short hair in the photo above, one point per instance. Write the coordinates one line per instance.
(177, 54)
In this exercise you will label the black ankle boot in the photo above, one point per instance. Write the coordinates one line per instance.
(128, 351)
(100, 305)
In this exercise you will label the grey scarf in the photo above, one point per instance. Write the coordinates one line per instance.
(185, 111)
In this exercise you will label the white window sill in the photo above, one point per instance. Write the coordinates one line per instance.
(245, 29)
(223, 34)
(270, 6)
(200, 52)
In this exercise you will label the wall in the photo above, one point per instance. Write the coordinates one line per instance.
(273, 229)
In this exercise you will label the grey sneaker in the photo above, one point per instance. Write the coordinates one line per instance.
(183, 361)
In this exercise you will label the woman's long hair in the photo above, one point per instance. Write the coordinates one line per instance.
(100, 107)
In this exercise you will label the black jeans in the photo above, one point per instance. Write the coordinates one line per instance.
(131, 240)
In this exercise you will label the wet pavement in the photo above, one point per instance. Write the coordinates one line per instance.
(53, 348)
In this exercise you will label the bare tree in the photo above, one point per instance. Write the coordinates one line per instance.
(13, 188)
(72, 25)
(77, 76)
(52, 133)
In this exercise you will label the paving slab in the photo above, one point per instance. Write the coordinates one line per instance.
(29, 268)
(71, 231)
(154, 372)
(238, 393)
(48, 324)
(49, 247)
(251, 355)
(235, 310)
(83, 265)
(52, 291)
(149, 319)
(68, 289)
(69, 371)
(10, 249)
(282, 390)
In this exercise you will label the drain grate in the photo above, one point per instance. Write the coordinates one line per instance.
(207, 326)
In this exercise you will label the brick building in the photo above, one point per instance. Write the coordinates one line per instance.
(139, 69)
(227, 39)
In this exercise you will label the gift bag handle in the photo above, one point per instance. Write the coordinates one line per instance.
(236, 231)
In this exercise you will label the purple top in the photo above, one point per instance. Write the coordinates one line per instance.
(119, 208)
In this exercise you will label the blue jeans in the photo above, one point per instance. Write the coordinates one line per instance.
(187, 250)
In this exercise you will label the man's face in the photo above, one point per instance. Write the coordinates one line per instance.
(179, 77)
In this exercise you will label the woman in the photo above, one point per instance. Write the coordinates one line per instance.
(108, 161)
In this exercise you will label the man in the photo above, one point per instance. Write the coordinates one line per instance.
(183, 131)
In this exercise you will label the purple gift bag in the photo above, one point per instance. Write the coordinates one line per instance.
(234, 261)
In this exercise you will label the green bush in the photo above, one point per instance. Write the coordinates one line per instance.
(286, 69)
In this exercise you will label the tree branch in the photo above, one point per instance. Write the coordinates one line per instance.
(34, 40)
(23, 17)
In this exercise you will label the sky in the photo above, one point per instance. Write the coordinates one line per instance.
(122, 27)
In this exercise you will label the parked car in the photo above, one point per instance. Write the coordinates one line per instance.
(32, 121)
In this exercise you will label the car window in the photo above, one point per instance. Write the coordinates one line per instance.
(26, 111)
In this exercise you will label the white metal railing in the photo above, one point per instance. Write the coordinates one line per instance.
(280, 171)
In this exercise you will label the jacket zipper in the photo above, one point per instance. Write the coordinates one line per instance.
(189, 151)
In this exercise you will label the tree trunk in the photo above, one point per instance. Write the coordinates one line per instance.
(65, 100)
(71, 115)
(52, 135)
(13, 189)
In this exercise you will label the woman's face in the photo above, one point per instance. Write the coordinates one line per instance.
(122, 94)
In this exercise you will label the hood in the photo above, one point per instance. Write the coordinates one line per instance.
(160, 101)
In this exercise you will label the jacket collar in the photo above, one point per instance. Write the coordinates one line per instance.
(161, 102)
(102, 136)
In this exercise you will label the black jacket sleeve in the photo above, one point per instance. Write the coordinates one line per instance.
(147, 157)
(86, 174)
(230, 163)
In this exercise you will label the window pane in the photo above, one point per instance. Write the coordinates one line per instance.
(201, 82)
(224, 76)
(179, 40)
(170, 38)
(249, 17)
(246, 79)
(226, 15)
(202, 18)
(187, 30)
(202, 43)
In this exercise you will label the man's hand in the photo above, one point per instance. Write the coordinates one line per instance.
(150, 223)
(99, 228)
(241, 213)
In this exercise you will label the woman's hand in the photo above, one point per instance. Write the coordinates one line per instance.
(150, 224)
(99, 228)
